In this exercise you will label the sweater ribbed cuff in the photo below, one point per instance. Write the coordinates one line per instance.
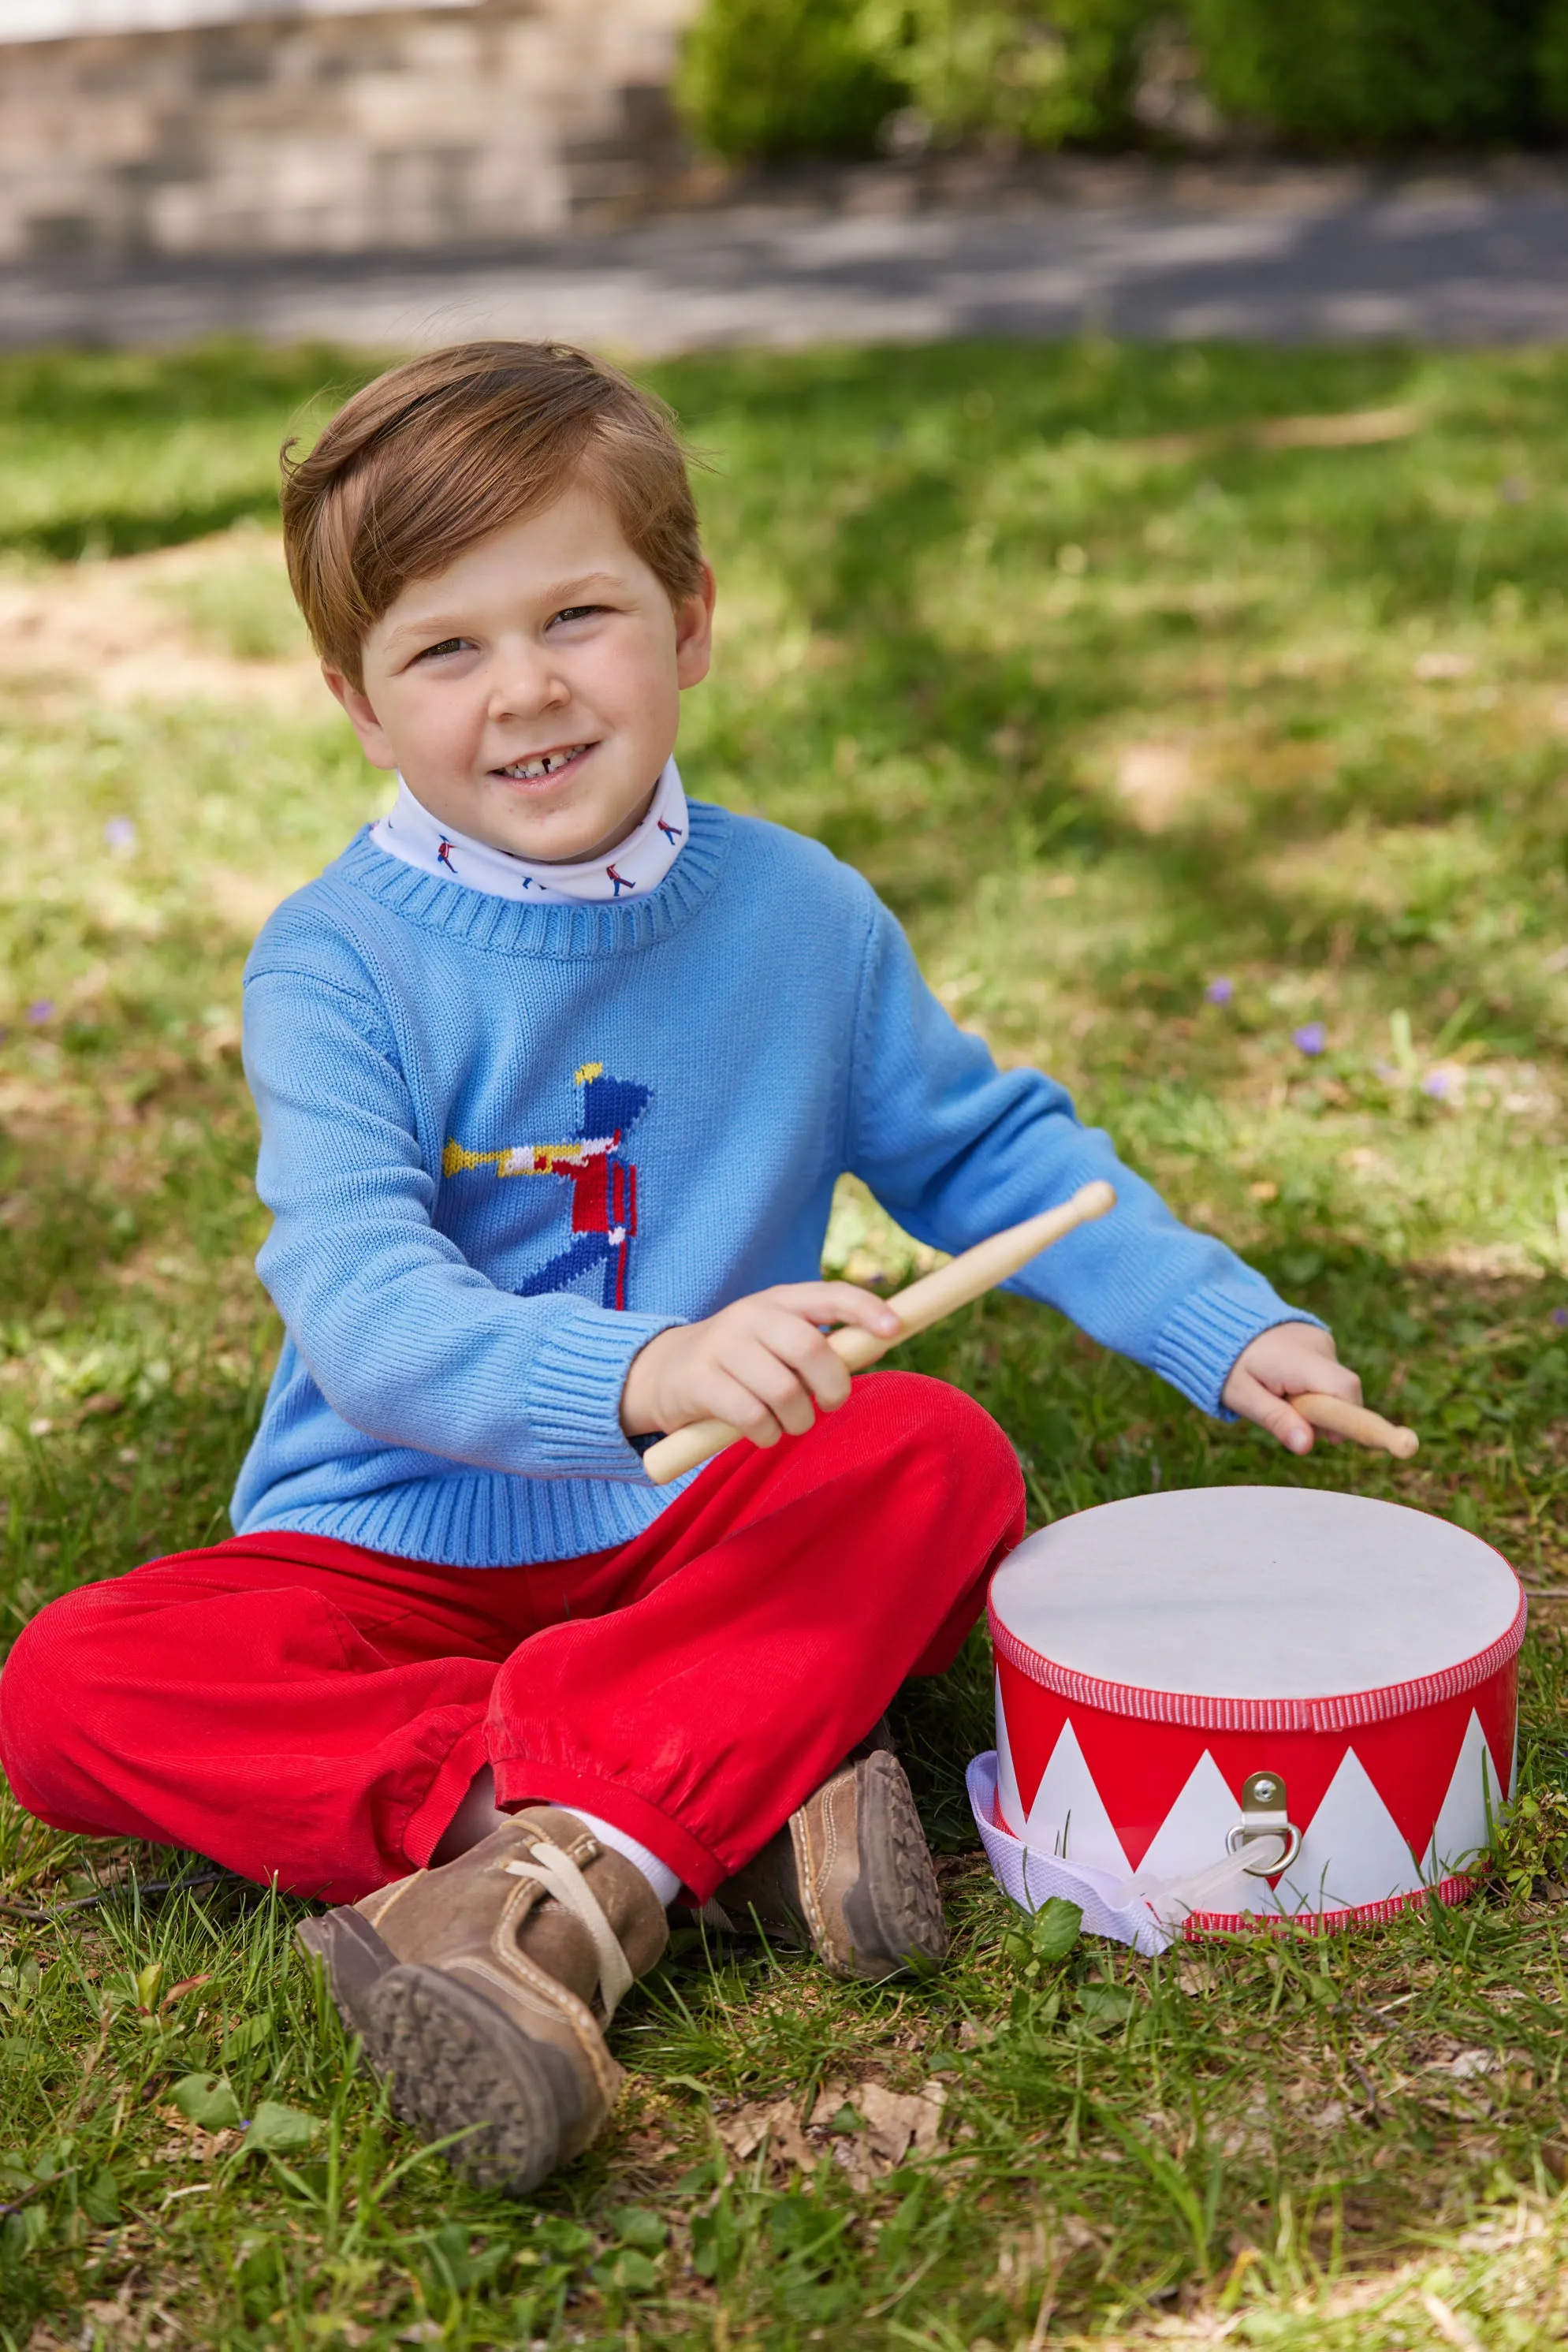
(572, 1398)
(1198, 1347)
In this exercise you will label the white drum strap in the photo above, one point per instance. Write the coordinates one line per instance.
(1222, 1887)
(1032, 1879)
(1146, 1912)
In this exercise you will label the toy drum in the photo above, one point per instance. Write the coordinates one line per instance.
(1248, 1704)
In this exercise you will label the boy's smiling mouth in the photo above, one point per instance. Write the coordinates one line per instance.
(539, 767)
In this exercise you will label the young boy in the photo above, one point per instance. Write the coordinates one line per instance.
(555, 1073)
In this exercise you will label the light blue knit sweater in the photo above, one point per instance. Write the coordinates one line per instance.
(504, 1144)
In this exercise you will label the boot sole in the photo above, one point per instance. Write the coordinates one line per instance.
(458, 2066)
(893, 1911)
(454, 2062)
(353, 1957)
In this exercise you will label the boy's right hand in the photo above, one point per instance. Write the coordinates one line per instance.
(763, 1364)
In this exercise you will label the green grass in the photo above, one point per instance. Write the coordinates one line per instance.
(1112, 700)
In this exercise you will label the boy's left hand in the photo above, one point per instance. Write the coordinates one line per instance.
(1287, 1360)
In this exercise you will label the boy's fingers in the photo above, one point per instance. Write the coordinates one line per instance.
(1276, 1414)
(1332, 1380)
(803, 1346)
(839, 1302)
(730, 1399)
(774, 1383)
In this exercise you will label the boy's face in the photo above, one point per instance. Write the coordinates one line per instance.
(530, 693)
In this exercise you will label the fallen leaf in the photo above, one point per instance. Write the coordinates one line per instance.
(186, 1985)
(744, 2133)
(899, 2120)
(1466, 2063)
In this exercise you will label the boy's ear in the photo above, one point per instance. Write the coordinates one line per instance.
(362, 717)
(693, 632)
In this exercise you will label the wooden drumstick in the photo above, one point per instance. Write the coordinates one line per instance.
(924, 1302)
(1342, 1420)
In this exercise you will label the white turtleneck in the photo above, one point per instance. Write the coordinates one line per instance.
(409, 831)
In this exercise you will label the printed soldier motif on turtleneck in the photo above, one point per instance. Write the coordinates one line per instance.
(636, 866)
(603, 1184)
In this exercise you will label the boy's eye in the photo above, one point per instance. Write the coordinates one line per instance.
(447, 645)
(577, 612)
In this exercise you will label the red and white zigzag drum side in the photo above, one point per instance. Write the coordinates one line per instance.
(1154, 1655)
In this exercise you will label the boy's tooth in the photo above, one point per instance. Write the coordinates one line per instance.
(545, 765)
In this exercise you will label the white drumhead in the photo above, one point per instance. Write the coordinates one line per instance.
(1255, 1593)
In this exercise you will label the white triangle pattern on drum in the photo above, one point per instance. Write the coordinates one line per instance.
(1194, 1831)
(1462, 1829)
(1068, 1818)
(1009, 1804)
(1353, 1850)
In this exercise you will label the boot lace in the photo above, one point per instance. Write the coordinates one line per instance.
(558, 1875)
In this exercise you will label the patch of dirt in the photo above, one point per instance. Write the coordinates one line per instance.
(1154, 781)
(113, 629)
(1357, 428)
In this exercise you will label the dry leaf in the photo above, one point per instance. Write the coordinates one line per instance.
(745, 2133)
(899, 2120)
(879, 2130)
(194, 2145)
(1466, 2063)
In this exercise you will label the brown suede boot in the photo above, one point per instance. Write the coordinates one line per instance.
(482, 1990)
(849, 1873)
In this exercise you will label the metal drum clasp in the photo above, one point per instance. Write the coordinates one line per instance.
(1264, 1815)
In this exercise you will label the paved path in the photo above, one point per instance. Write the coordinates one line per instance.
(1451, 263)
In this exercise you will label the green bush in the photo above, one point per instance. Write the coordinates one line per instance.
(1009, 68)
(766, 79)
(770, 78)
(1551, 63)
(1374, 75)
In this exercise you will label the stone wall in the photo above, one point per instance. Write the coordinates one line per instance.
(331, 133)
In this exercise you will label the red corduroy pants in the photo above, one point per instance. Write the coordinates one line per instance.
(299, 1708)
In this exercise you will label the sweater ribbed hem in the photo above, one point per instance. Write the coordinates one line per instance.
(482, 1520)
(1198, 1347)
(571, 1398)
(514, 928)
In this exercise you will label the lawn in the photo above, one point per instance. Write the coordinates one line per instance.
(1204, 714)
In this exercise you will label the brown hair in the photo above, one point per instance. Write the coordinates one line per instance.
(438, 453)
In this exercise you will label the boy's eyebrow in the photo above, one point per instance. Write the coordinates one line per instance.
(424, 625)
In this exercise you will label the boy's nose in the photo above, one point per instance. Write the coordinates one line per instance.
(526, 682)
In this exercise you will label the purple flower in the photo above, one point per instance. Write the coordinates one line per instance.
(42, 1009)
(120, 832)
(1439, 1084)
(1219, 992)
(1559, 1316)
(1311, 1039)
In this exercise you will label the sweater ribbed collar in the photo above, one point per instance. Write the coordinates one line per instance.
(513, 927)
